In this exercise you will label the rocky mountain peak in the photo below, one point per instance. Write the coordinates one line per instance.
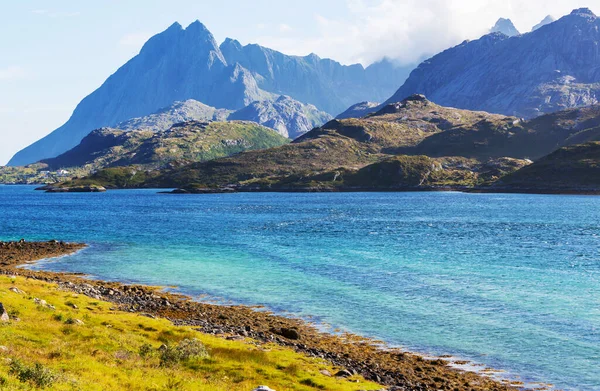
(506, 27)
(547, 20)
(584, 12)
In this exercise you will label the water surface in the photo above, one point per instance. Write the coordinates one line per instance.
(510, 281)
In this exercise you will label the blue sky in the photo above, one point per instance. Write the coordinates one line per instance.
(54, 53)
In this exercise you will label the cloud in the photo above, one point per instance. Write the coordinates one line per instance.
(135, 39)
(12, 73)
(410, 30)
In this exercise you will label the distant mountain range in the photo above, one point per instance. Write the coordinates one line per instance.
(180, 64)
(557, 66)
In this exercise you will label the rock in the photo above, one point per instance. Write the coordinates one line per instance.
(16, 290)
(73, 305)
(263, 388)
(343, 373)
(325, 372)
(3, 349)
(290, 334)
(3, 314)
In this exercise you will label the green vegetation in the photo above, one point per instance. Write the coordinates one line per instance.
(86, 344)
(414, 144)
(574, 168)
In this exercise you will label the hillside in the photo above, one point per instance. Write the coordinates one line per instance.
(441, 146)
(572, 169)
(188, 141)
(555, 67)
(350, 144)
(180, 64)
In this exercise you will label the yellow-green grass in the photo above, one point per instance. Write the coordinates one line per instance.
(103, 353)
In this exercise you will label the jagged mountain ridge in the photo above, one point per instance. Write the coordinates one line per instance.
(550, 69)
(285, 115)
(506, 27)
(323, 82)
(180, 64)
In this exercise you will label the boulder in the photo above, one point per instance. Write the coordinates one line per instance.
(343, 373)
(3, 314)
(290, 334)
(263, 388)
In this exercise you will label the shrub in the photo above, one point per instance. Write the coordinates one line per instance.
(37, 375)
(146, 351)
(186, 350)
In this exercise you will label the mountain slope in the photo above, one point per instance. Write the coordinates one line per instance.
(180, 64)
(547, 20)
(573, 169)
(550, 69)
(163, 119)
(184, 142)
(287, 116)
(325, 83)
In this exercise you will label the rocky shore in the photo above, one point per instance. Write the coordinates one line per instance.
(395, 369)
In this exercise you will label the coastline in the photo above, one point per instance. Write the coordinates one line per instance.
(394, 368)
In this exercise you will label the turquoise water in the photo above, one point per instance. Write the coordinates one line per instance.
(510, 281)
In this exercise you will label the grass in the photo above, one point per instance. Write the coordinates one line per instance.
(96, 347)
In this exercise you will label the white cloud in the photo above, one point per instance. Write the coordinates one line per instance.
(12, 73)
(409, 30)
(135, 39)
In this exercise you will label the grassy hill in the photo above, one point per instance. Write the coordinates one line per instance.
(575, 169)
(187, 141)
(414, 144)
(66, 341)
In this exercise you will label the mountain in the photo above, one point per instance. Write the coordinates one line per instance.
(359, 110)
(572, 169)
(547, 70)
(181, 64)
(506, 27)
(287, 116)
(184, 142)
(325, 83)
(163, 119)
(547, 20)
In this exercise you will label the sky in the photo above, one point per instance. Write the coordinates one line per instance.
(54, 53)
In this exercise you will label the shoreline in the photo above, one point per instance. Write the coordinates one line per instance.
(394, 368)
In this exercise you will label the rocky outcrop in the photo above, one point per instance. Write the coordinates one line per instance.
(287, 116)
(178, 112)
(358, 110)
(551, 69)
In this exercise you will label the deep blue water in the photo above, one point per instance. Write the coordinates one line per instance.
(510, 281)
